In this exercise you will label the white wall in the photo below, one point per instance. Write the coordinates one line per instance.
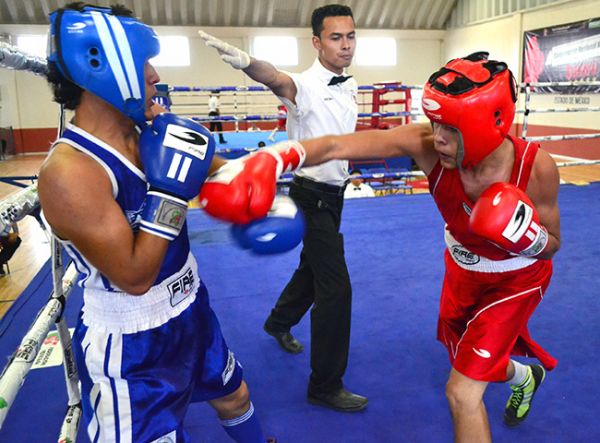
(503, 39)
(30, 101)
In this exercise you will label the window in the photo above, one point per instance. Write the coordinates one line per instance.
(33, 44)
(375, 51)
(174, 51)
(279, 50)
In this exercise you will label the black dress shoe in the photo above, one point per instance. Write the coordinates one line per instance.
(341, 400)
(286, 340)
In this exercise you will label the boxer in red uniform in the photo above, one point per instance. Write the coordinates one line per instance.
(498, 197)
(281, 122)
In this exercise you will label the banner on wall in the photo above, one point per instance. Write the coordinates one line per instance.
(564, 53)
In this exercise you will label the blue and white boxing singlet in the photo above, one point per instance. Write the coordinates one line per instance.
(143, 359)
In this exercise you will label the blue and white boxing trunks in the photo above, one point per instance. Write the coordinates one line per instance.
(143, 359)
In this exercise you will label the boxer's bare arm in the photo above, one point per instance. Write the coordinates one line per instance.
(216, 163)
(542, 189)
(415, 140)
(76, 197)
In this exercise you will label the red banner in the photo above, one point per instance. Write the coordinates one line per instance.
(563, 53)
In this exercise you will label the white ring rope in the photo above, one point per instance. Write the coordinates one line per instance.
(577, 163)
(68, 431)
(554, 84)
(13, 376)
(534, 111)
(254, 88)
(553, 138)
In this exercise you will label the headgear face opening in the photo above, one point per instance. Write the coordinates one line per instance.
(477, 97)
(104, 54)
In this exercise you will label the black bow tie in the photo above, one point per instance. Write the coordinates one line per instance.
(338, 79)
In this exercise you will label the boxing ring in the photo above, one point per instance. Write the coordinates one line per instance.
(384, 314)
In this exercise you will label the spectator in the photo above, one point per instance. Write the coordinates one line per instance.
(8, 245)
(357, 188)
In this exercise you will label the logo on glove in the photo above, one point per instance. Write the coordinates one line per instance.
(196, 139)
(185, 140)
(519, 222)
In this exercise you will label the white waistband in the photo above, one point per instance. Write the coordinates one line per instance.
(126, 313)
(472, 262)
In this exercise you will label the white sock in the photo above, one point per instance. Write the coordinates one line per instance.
(521, 374)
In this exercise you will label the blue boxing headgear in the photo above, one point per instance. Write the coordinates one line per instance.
(104, 54)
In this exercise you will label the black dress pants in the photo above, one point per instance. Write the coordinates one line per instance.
(216, 126)
(321, 281)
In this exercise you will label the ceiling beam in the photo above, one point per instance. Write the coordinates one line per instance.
(30, 11)
(184, 18)
(370, 15)
(270, 13)
(445, 14)
(384, 16)
(305, 12)
(168, 4)
(409, 15)
(12, 11)
(138, 10)
(241, 18)
(359, 12)
(153, 13)
(256, 13)
(395, 18)
(227, 12)
(434, 13)
(198, 8)
(212, 13)
(421, 14)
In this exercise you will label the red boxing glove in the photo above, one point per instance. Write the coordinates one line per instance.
(243, 190)
(505, 216)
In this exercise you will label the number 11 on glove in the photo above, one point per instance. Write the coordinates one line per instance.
(505, 216)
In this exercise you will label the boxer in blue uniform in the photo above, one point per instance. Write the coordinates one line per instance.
(114, 189)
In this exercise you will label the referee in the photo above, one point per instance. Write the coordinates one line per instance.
(319, 101)
(213, 111)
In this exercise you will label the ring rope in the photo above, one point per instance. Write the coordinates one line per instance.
(13, 375)
(221, 89)
(553, 138)
(257, 117)
(534, 111)
(578, 163)
(572, 83)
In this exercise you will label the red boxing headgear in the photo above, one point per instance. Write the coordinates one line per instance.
(477, 97)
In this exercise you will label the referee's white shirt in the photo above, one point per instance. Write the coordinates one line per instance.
(362, 190)
(322, 110)
(213, 104)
